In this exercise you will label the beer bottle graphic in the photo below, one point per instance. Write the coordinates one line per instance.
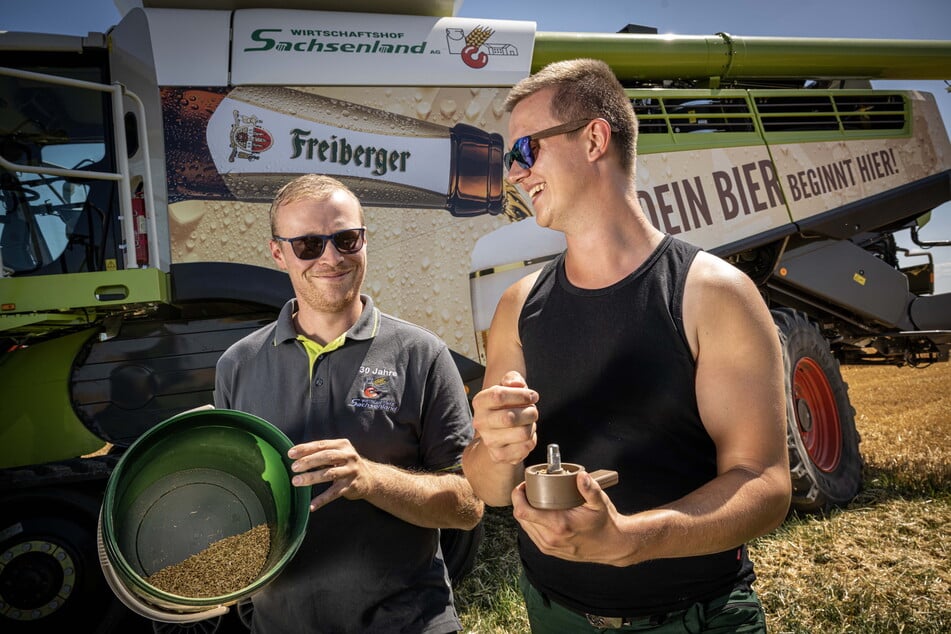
(245, 143)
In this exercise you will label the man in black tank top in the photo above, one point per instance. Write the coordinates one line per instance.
(635, 352)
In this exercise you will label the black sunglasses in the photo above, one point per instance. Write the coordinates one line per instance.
(311, 247)
(522, 152)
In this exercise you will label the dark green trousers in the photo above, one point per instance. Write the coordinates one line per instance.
(739, 611)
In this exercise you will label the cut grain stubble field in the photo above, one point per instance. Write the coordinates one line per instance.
(880, 565)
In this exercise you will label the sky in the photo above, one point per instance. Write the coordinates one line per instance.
(905, 19)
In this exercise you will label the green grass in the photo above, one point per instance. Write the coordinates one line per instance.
(488, 600)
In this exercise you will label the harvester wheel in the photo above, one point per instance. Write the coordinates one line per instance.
(824, 459)
(49, 572)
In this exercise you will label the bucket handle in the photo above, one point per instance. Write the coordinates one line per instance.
(137, 605)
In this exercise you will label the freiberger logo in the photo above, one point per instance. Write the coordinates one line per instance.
(474, 47)
(248, 139)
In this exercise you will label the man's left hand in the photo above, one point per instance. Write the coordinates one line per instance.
(589, 532)
(334, 461)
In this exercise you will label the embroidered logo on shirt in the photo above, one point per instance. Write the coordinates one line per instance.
(376, 391)
(375, 388)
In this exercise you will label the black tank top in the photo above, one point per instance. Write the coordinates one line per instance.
(615, 378)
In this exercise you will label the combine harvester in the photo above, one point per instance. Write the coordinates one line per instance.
(136, 168)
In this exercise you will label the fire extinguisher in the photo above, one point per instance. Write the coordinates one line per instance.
(140, 225)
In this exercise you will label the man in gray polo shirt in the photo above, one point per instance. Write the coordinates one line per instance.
(379, 418)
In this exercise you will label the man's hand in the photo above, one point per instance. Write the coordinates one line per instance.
(333, 461)
(590, 532)
(504, 418)
(430, 500)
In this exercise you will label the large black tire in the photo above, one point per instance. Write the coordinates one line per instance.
(824, 459)
(49, 575)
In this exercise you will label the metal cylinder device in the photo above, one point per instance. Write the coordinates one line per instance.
(554, 485)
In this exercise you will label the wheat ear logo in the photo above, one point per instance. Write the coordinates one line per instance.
(470, 47)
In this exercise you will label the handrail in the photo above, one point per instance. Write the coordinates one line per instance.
(147, 188)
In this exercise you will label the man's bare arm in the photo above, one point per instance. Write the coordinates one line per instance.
(431, 500)
(504, 412)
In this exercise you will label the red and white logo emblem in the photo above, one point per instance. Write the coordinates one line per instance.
(248, 139)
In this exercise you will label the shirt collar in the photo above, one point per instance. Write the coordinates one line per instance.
(365, 327)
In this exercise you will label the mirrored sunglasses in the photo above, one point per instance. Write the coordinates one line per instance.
(522, 152)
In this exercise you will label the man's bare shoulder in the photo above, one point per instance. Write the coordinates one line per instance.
(723, 299)
(712, 269)
(714, 280)
(515, 295)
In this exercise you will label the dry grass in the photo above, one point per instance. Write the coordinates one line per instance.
(904, 418)
(879, 566)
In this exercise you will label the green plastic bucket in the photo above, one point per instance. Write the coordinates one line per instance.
(187, 483)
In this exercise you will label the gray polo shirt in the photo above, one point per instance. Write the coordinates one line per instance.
(393, 390)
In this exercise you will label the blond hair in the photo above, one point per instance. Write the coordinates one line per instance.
(309, 187)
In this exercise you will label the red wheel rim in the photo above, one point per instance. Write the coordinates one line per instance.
(817, 416)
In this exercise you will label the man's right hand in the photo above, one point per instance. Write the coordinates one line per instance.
(504, 418)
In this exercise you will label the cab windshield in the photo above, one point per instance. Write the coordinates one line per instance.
(51, 223)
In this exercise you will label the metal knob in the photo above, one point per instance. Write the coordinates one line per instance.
(554, 459)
